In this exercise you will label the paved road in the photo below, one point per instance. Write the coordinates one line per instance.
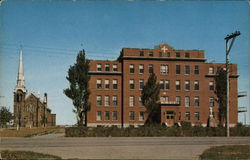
(120, 147)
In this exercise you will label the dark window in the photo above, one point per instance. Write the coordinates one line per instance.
(187, 69)
(211, 85)
(141, 53)
(187, 116)
(141, 83)
(196, 85)
(168, 54)
(160, 54)
(132, 68)
(141, 68)
(196, 102)
(131, 115)
(196, 116)
(150, 68)
(177, 54)
(115, 69)
(187, 55)
(167, 84)
(178, 69)
(178, 85)
(115, 84)
(132, 84)
(187, 85)
(161, 84)
(196, 69)
(107, 67)
(150, 54)
(106, 115)
(99, 67)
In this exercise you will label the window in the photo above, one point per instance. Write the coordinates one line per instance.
(196, 69)
(107, 67)
(161, 84)
(98, 100)
(196, 85)
(196, 116)
(196, 101)
(211, 70)
(140, 101)
(150, 54)
(99, 67)
(187, 101)
(187, 114)
(141, 53)
(177, 54)
(131, 68)
(164, 99)
(115, 86)
(211, 102)
(98, 83)
(131, 101)
(178, 100)
(187, 69)
(98, 115)
(178, 85)
(141, 84)
(132, 84)
(167, 85)
(187, 85)
(106, 101)
(178, 69)
(141, 116)
(187, 55)
(211, 85)
(115, 69)
(114, 100)
(106, 115)
(150, 68)
(160, 54)
(168, 54)
(141, 68)
(131, 115)
(106, 84)
(164, 69)
(114, 115)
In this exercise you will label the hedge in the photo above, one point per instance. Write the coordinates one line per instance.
(154, 131)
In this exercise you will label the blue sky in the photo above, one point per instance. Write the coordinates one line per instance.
(52, 32)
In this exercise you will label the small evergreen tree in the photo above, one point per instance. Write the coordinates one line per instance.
(79, 87)
(221, 92)
(5, 116)
(150, 99)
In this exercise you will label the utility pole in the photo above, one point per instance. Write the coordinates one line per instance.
(227, 38)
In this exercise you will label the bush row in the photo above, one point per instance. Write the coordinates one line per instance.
(151, 131)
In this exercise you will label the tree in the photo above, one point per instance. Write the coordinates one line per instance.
(78, 90)
(221, 92)
(5, 116)
(150, 99)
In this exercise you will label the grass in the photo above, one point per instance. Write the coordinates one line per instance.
(230, 152)
(27, 155)
(29, 132)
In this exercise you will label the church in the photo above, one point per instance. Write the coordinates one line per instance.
(29, 109)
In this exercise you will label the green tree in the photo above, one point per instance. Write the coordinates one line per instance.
(5, 116)
(221, 92)
(78, 90)
(150, 99)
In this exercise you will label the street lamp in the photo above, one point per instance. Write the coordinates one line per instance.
(227, 38)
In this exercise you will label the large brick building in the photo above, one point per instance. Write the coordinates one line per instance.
(186, 80)
(30, 110)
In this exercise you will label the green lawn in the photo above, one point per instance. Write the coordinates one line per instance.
(230, 152)
(26, 155)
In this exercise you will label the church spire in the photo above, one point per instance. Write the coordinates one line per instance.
(20, 75)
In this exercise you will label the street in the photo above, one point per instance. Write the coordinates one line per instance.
(119, 147)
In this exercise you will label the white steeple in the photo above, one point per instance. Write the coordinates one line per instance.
(20, 75)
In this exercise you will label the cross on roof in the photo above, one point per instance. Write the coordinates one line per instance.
(164, 49)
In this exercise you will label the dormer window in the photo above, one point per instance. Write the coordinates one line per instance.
(141, 53)
(99, 67)
(177, 54)
(107, 67)
(115, 68)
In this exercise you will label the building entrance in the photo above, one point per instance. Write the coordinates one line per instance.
(170, 118)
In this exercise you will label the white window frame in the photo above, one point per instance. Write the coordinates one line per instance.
(131, 101)
(106, 101)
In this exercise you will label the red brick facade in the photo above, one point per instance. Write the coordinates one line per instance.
(187, 84)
